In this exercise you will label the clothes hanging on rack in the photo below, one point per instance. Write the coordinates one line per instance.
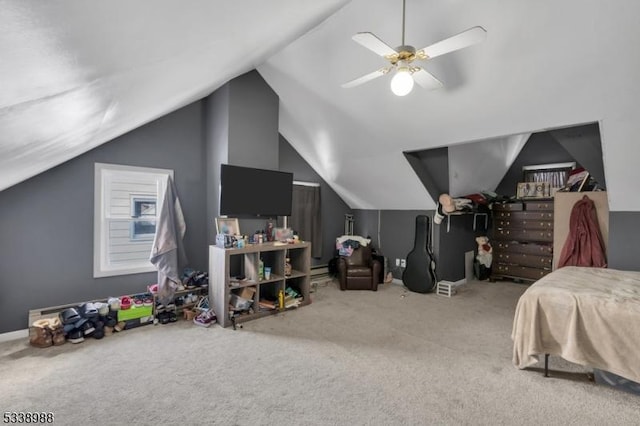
(584, 245)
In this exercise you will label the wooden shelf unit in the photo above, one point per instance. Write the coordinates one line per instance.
(227, 263)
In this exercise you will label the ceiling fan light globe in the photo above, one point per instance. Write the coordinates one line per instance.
(402, 83)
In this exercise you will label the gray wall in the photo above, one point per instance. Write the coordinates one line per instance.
(215, 134)
(366, 225)
(333, 208)
(241, 128)
(585, 145)
(46, 222)
(253, 122)
(432, 168)
(541, 148)
(397, 237)
(624, 234)
(453, 244)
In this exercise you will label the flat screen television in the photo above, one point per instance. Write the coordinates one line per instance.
(245, 191)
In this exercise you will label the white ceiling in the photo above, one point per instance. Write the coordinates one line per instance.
(75, 74)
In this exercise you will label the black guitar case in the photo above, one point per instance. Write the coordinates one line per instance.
(420, 273)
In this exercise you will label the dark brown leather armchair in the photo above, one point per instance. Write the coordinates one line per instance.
(359, 271)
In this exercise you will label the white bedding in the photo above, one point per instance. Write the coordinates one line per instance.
(589, 316)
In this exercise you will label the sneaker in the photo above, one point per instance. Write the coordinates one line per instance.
(163, 317)
(76, 336)
(87, 328)
(125, 302)
(205, 319)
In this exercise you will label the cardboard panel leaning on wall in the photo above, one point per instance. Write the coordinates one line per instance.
(563, 205)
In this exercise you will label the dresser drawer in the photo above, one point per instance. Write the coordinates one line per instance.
(508, 207)
(523, 235)
(533, 260)
(524, 215)
(513, 247)
(516, 271)
(523, 223)
(538, 205)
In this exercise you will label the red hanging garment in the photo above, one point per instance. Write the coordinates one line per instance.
(584, 245)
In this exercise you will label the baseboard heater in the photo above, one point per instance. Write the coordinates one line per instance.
(319, 274)
(319, 270)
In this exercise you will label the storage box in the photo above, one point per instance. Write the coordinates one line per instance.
(247, 293)
(135, 313)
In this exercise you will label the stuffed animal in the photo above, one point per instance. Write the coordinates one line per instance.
(485, 251)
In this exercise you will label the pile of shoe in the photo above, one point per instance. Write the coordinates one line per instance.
(192, 278)
(86, 320)
(166, 313)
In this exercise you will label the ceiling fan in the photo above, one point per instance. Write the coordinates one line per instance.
(402, 57)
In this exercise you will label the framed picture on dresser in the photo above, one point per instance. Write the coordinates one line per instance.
(533, 190)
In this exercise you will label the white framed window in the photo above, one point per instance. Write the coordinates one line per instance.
(126, 204)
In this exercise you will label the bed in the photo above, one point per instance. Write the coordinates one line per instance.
(588, 316)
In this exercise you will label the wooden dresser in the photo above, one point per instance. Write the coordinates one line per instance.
(522, 240)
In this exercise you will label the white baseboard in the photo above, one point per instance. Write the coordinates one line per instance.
(397, 281)
(14, 335)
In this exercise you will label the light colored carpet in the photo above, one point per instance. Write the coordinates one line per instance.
(357, 357)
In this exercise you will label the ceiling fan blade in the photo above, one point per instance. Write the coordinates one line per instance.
(374, 44)
(459, 41)
(426, 79)
(368, 77)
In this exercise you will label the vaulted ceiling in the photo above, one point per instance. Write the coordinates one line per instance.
(75, 74)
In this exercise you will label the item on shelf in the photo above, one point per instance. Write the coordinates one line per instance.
(266, 304)
(260, 269)
(280, 299)
(269, 231)
(267, 272)
(239, 303)
(287, 267)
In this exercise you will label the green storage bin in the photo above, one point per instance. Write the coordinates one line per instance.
(134, 313)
